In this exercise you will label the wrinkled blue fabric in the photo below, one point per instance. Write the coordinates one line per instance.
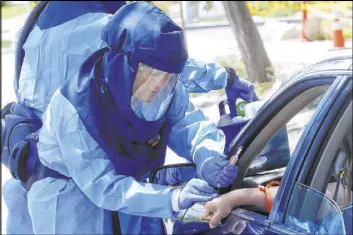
(102, 91)
(195, 190)
(175, 175)
(201, 77)
(52, 14)
(45, 68)
(66, 145)
(15, 197)
(347, 214)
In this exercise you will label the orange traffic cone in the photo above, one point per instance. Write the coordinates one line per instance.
(304, 19)
(338, 39)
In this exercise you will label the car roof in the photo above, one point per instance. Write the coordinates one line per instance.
(334, 65)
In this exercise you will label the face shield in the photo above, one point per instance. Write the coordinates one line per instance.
(152, 92)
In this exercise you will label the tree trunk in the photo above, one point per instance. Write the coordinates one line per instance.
(257, 63)
(183, 22)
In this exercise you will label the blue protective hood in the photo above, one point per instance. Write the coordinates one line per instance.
(59, 12)
(140, 33)
(101, 93)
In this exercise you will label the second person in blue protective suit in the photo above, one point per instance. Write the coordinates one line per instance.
(111, 124)
(62, 25)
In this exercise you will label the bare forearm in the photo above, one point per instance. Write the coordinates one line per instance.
(249, 197)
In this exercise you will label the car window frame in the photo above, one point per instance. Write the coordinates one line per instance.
(271, 108)
(301, 160)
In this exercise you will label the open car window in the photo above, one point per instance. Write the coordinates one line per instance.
(272, 160)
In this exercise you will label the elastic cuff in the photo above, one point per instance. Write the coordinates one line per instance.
(175, 200)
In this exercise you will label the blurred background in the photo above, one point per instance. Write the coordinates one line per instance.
(267, 42)
(283, 38)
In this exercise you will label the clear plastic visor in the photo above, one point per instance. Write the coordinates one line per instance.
(152, 92)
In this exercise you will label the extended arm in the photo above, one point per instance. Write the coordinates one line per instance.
(220, 207)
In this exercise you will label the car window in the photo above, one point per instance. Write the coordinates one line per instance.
(281, 145)
(311, 211)
(324, 207)
(297, 124)
(329, 213)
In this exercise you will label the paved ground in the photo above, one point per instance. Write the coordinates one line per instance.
(204, 44)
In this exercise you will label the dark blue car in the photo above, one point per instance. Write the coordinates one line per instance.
(306, 127)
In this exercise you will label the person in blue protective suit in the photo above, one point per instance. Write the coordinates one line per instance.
(46, 68)
(60, 61)
(109, 125)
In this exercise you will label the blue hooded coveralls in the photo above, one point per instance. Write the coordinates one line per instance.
(46, 68)
(67, 147)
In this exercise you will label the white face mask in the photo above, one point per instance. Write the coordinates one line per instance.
(153, 92)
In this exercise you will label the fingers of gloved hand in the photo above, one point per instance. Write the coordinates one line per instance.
(227, 176)
(230, 170)
(244, 84)
(248, 96)
(223, 182)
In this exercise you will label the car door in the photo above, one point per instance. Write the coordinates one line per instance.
(332, 83)
(295, 107)
(304, 205)
(298, 106)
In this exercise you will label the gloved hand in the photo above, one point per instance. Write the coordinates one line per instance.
(238, 87)
(218, 172)
(195, 190)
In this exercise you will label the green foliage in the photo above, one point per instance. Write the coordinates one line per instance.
(163, 5)
(327, 6)
(273, 8)
(9, 11)
(262, 88)
(347, 34)
(319, 37)
(33, 3)
(232, 61)
(5, 44)
(239, 66)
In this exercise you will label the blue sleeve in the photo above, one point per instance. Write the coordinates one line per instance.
(191, 132)
(201, 77)
(92, 171)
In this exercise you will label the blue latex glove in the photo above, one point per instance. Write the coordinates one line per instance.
(238, 87)
(218, 172)
(195, 190)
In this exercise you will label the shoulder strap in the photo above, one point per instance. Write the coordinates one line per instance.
(23, 35)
